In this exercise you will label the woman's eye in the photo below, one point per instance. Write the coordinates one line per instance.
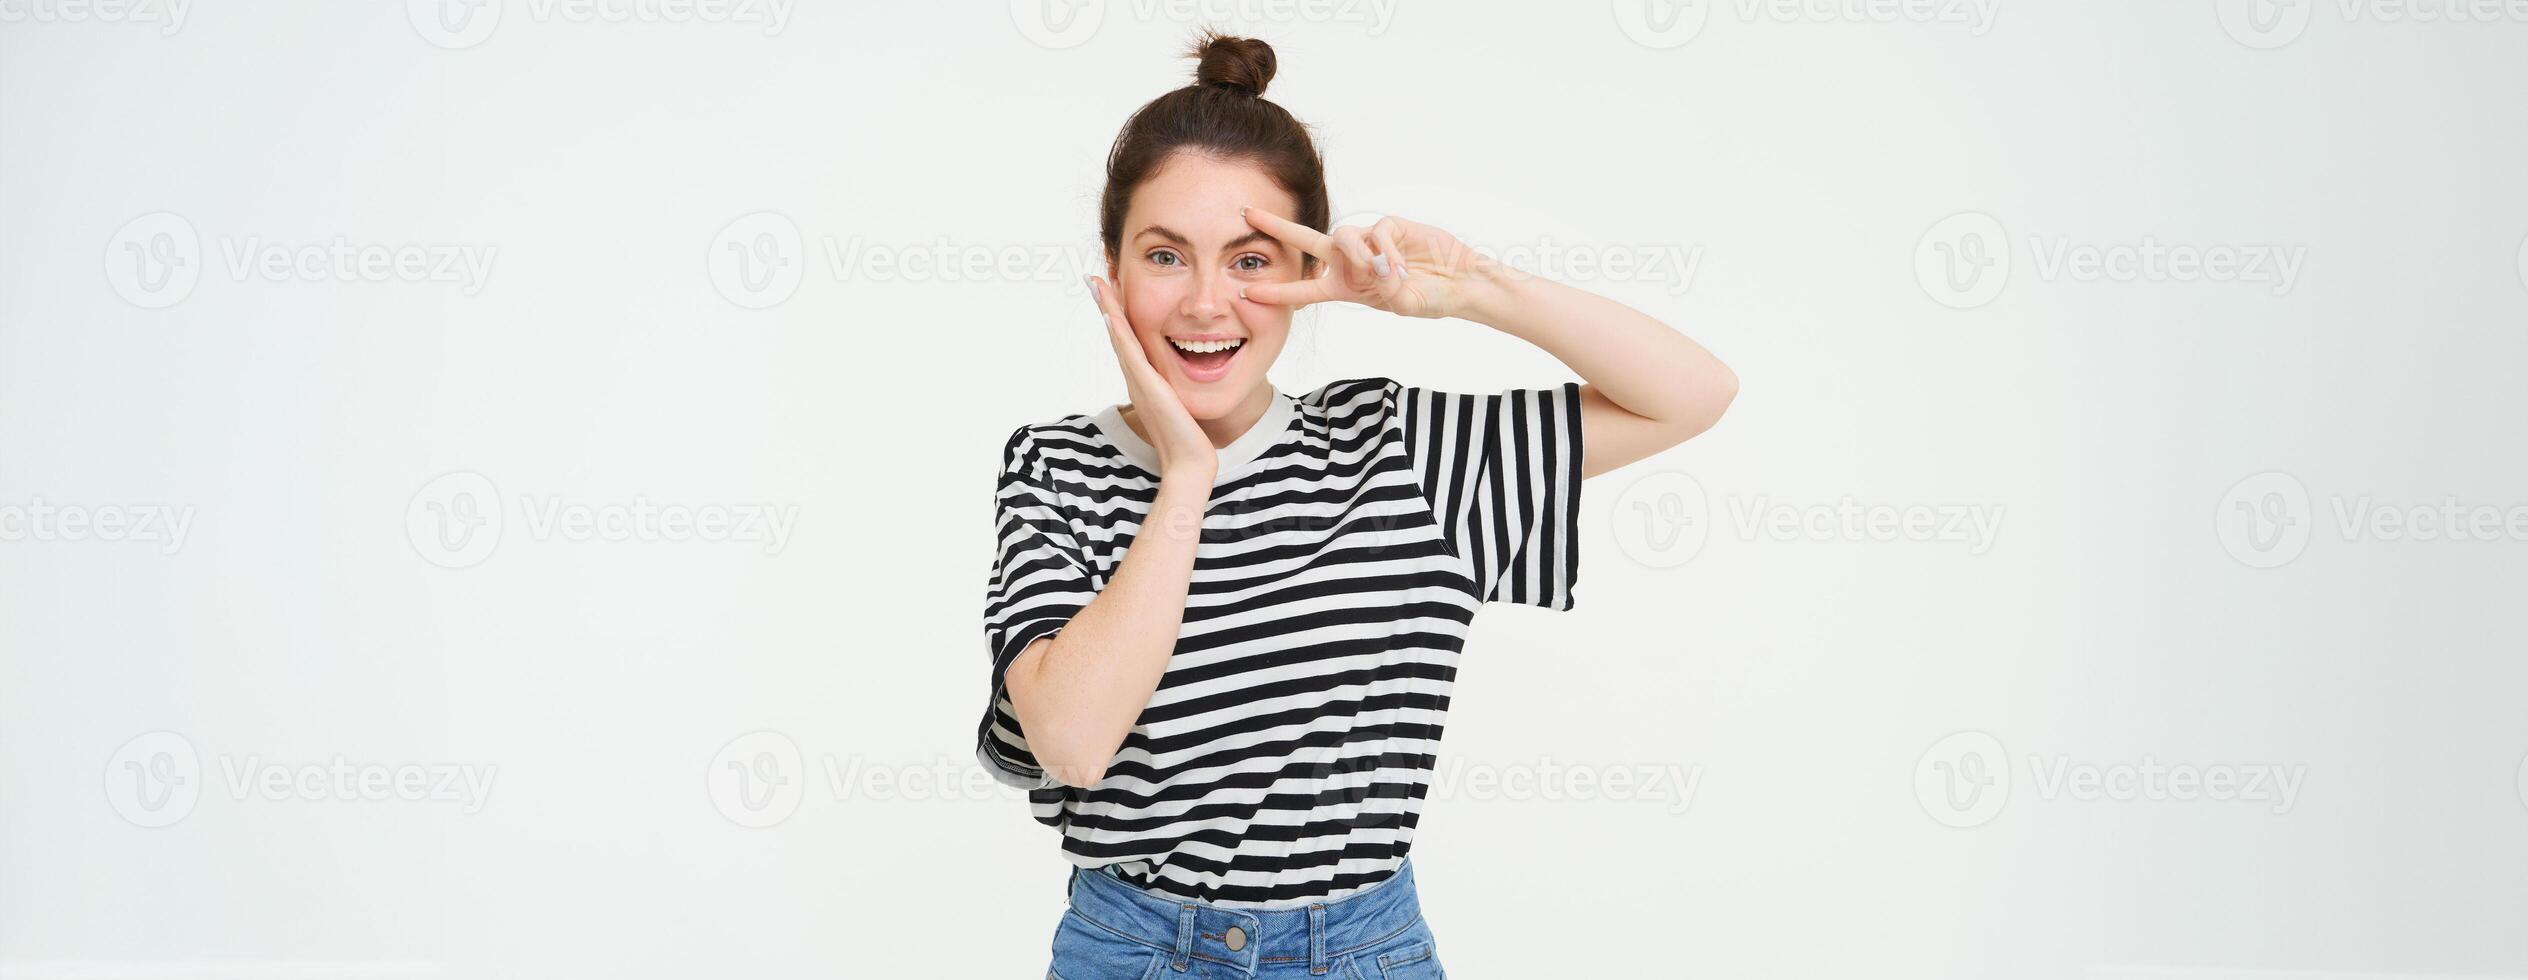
(1163, 257)
(1251, 262)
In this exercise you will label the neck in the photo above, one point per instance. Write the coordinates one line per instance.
(1223, 430)
(1227, 428)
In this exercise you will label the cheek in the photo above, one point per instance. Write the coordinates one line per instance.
(1269, 324)
(1147, 305)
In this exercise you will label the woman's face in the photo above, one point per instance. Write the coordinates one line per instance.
(1186, 251)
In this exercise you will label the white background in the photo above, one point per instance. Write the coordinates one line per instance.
(2149, 596)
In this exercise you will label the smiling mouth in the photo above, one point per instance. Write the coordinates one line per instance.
(1205, 360)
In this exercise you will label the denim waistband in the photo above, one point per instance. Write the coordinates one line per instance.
(1315, 933)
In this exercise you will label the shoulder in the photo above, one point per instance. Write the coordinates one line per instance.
(1350, 397)
(1035, 447)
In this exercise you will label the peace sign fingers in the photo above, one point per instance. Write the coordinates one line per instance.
(1291, 233)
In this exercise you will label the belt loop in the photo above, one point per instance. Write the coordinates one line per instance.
(1316, 939)
(1184, 937)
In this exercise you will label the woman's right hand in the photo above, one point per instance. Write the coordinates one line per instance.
(1182, 445)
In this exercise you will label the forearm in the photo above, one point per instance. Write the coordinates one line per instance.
(1078, 692)
(1642, 365)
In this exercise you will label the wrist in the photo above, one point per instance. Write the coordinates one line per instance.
(1493, 294)
(1192, 474)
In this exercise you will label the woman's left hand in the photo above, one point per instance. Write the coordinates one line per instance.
(1402, 267)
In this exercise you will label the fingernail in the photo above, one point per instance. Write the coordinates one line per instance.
(1242, 292)
(1379, 262)
(1242, 209)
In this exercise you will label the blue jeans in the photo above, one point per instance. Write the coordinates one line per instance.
(1116, 931)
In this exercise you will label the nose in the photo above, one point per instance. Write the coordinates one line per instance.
(1210, 298)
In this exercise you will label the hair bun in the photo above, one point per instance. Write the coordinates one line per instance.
(1242, 63)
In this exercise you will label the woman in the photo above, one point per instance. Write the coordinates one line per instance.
(1224, 619)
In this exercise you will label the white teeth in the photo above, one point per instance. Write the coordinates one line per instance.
(1205, 346)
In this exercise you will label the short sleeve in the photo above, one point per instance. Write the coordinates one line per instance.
(1502, 472)
(1040, 579)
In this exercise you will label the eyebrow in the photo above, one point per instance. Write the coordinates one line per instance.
(1256, 235)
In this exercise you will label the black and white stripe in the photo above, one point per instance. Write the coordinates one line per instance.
(1349, 539)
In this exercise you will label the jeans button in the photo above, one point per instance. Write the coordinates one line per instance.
(1237, 939)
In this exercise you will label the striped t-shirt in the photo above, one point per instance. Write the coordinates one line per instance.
(1350, 536)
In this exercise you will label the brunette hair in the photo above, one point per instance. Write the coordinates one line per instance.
(1223, 114)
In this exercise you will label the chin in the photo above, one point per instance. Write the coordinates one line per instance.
(1215, 401)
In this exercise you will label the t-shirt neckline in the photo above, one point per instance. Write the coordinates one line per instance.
(1267, 432)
